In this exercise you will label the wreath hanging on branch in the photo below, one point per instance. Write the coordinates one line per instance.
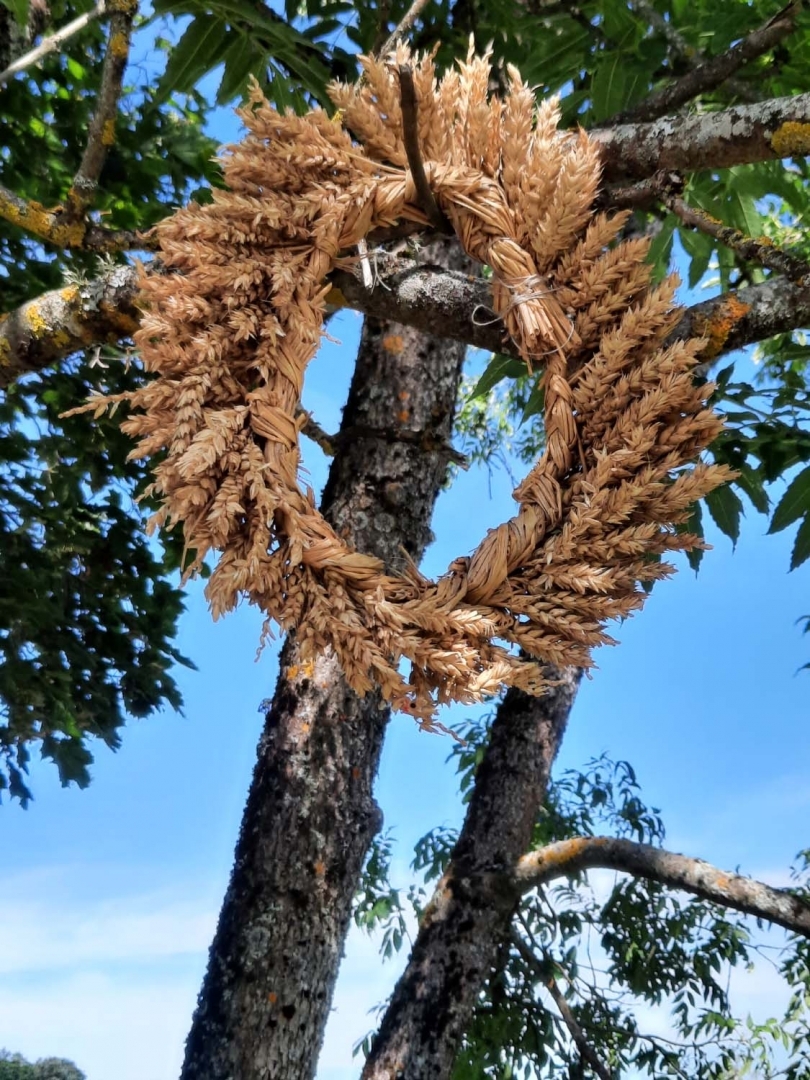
(232, 325)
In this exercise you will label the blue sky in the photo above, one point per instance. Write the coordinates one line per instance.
(110, 895)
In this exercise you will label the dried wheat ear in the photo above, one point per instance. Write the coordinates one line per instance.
(230, 330)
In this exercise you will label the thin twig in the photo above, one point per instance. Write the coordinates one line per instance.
(760, 250)
(101, 135)
(586, 1051)
(410, 137)
(313, 430)
(713, 71)
(681, 47)
(403, 27)
(52, 43)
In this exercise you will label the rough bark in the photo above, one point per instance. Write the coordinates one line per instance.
(310, 815)
(470, 913)
(675, 871)
(420, 296)
(777, 128)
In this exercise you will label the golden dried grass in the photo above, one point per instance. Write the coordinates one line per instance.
(230, 329)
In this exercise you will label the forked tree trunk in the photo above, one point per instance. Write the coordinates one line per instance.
(311, 815)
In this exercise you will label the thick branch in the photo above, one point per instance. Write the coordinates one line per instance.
(101, 135)
(52, 43)
(740, 135)
(55, 227)
(675, 871)
(426, 298)
(710, 73)
(61, 322)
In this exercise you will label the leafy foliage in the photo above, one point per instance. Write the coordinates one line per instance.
(87, 616)
(88, 611)
(15, 1067)
(611, 945)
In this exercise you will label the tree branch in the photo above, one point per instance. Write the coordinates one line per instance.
(759, 250)
(55, 227)
(101, 135)
(586, 1051)
(402, 28)
(52, 43)
(61, 322)
(675, 871)
(427, 298)
(710, 73)
(67, 226)
(740, 135)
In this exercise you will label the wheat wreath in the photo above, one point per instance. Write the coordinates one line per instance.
(231, 324)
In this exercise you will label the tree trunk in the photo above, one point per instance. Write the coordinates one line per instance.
(310, 815)
(466, 921)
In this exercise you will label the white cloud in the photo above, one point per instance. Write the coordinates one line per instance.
(47, 933)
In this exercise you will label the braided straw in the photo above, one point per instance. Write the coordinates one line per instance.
(232, 325)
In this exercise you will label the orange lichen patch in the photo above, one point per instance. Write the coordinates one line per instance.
(61, 339)
(393, 343)
(119, 46)
(717, 326)
(404, 415)
(562, 853)
(69, 294)
(126, 7)
(404, 395)
(723, 881)
(305, 670)
(35, 218)
(791, 139)
(5, 353)
(320, 868)
(35, 321)
(272, 997)
(108, 133)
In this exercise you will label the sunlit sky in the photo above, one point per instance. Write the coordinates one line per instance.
(110, 895)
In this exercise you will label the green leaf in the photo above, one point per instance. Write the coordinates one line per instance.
(750, 481)
(536, 402)
(695, 526)
(699, 248)
(725, 508)
(661, 248)
(198, 50)
(500, 367)
(794, 503)
(801, 547)
(19, 9)
(239, 59)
